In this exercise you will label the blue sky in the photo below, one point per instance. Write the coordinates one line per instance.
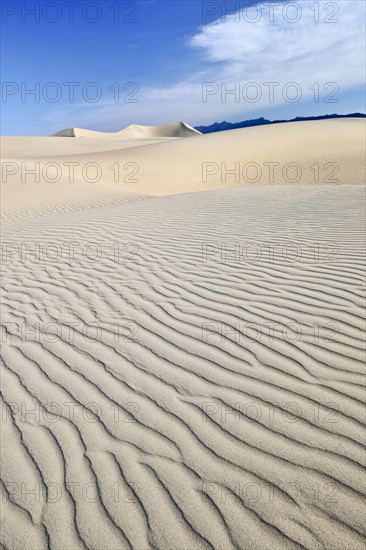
(156, 61)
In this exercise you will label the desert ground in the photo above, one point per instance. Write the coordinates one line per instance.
(183, 339)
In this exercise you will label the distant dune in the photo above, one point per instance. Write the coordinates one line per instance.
(174, 129)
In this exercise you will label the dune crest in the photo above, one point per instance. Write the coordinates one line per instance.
(174, 129)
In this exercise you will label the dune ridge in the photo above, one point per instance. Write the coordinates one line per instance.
(173, 129)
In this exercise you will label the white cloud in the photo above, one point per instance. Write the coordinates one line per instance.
(237, 51)
(300, 51)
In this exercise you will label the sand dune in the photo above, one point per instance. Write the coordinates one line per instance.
(174, 129)
(187, 371)
(325, 152)
(23, 147)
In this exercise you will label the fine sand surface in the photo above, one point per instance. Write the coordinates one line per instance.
(185, 372)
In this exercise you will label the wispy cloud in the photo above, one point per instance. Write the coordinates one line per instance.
(236, 51)
(299, 50)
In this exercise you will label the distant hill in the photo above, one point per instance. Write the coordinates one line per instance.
(174, 129)
(222, 126)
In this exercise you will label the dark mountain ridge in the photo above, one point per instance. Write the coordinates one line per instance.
(222, 126)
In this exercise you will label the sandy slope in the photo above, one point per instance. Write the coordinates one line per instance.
(186, 372)
(21, 201)
(326, 152)
(23, 147)
(30, 188)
